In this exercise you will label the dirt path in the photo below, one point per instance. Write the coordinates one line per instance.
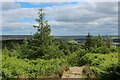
(73, 72)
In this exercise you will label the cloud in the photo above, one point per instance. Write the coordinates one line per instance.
(15, 14)
(85, 17)
(68, 19)
(10, 5)
(80, 12)
(11, 20)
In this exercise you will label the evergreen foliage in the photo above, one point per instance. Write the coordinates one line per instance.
(99, 41)
(108, 41)
(89, 41)
(41, 44)
(98, 45)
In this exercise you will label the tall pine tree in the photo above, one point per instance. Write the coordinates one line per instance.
(41, 44)
(43, 29)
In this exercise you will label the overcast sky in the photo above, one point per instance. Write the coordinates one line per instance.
(67, 18)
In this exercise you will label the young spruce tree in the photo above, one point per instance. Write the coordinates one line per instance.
(41, 44)
(99, 41)
(89, 42)
(108, 41)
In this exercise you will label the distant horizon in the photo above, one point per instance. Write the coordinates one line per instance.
(56, 35)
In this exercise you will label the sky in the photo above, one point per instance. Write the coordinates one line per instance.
(65, 18)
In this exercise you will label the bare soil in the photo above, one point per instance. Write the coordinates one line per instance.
(73, 72)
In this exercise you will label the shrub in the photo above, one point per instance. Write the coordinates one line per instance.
(24, 68)
(103, 50)
(113, 49)
(111, 73)
(103, 65)
(74, 59)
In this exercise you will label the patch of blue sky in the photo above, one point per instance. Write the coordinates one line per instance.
(42, 5)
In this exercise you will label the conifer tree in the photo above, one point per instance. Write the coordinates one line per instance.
(99, 41)
(41, 44)
(89, 41)
(43, 29)
(108, 41)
